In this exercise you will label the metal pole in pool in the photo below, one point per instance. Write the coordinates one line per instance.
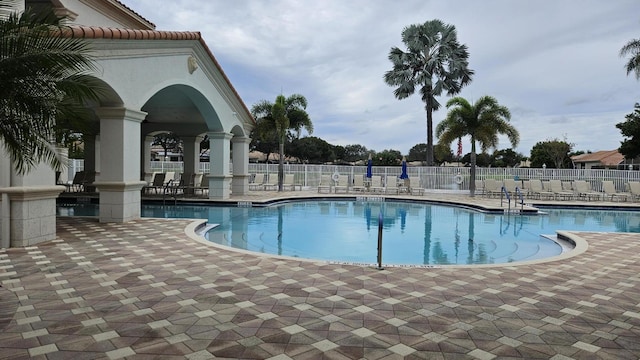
(380, 241)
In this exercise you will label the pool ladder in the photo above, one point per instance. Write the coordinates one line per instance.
(505, 194)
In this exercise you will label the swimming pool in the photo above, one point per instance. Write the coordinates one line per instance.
(413, 233)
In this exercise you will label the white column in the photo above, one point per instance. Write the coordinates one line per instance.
(191, 153)
(120, 184)
(240, 154)
(219, 177)
(146, 158)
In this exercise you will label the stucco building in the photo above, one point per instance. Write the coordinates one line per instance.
(156, 81)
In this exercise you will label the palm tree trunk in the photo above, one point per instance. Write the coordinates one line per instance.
(429, 108)
(281, 166)
(472, 181)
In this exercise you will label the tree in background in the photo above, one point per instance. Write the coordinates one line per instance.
(434, 62)
(482, 159)
(482, 121)
(287, 116)
(45, 79)
(551, 153)
(630, 129)
(442, 153)
(506, 158)
(632, 49)
(387, 158)
(311, 149)
(353, 153)
(417, 153)
(169, 142)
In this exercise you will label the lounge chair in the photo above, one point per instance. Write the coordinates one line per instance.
(76, 183)
(609, 190)
(342, 184)
(558, 191)
(510, 185)
(358, 184)
(201, 185)
(258, 182)
(583, 191)
(271, 183)
(156, 184)
(634, 189)
(376, 184)
(289, 182)
(325, 183)
(492, 187)
(391, 185)
(479, 187)
(415, 188)
(537, 190)
(169, 176)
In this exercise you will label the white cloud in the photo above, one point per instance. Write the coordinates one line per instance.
(555, 64)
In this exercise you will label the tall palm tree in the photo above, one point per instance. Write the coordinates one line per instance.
(434, 62)
(632, 48)
(44, 77)
(286, 116)
(482, 121)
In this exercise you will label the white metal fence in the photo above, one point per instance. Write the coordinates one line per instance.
(436, 178)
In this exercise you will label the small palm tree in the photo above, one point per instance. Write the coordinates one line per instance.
(44, 77)
(284, 116)
(632, 48)
(483, 121)
(434, 62)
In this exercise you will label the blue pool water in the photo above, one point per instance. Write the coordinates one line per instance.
(413, 233)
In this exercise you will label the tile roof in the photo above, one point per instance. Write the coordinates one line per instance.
(98, 32)
(134, 12)
(605, 157)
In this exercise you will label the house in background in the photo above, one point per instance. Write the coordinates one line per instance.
(604, 159)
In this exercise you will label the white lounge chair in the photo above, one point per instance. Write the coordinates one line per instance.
(415, 188)
(325, 183)
(609, 190)
(391, 185)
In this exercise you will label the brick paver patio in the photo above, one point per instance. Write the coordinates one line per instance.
(145, 289)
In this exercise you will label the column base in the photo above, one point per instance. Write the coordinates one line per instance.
(219, 187)
(240, 185)
(28, 215)
(119, 200)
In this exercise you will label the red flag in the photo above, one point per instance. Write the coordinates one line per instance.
(459, 147)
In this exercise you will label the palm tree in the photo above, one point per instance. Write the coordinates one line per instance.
(44, 77)
(632, 48)
(482, 121)
(285, 117)
(434, 62)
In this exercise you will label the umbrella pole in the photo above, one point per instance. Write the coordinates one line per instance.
(380, 242)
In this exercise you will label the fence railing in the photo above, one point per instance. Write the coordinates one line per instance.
(434, 178)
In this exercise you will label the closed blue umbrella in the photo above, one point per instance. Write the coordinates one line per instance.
(404, 175)
(369, 167)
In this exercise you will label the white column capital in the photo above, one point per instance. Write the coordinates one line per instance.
(119, 113)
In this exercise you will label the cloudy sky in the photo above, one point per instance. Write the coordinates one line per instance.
(553, 63)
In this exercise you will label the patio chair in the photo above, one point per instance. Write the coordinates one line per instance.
(537, 190)
(76, 183)
(156, 184)
(358, 184)
(583, 191)
(558, 191)
(510, 185)
(342, 184)
(479, 187)
(391, 185)
(271, 183)
(609, 190)
(634, 189)
(325, 183)
(415, 188)
(201, 185)
(169, 176)
(258, 182)
(376, 184)
(492, 187)
(289, 182)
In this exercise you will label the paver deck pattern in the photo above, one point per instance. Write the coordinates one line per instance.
(144, 289)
